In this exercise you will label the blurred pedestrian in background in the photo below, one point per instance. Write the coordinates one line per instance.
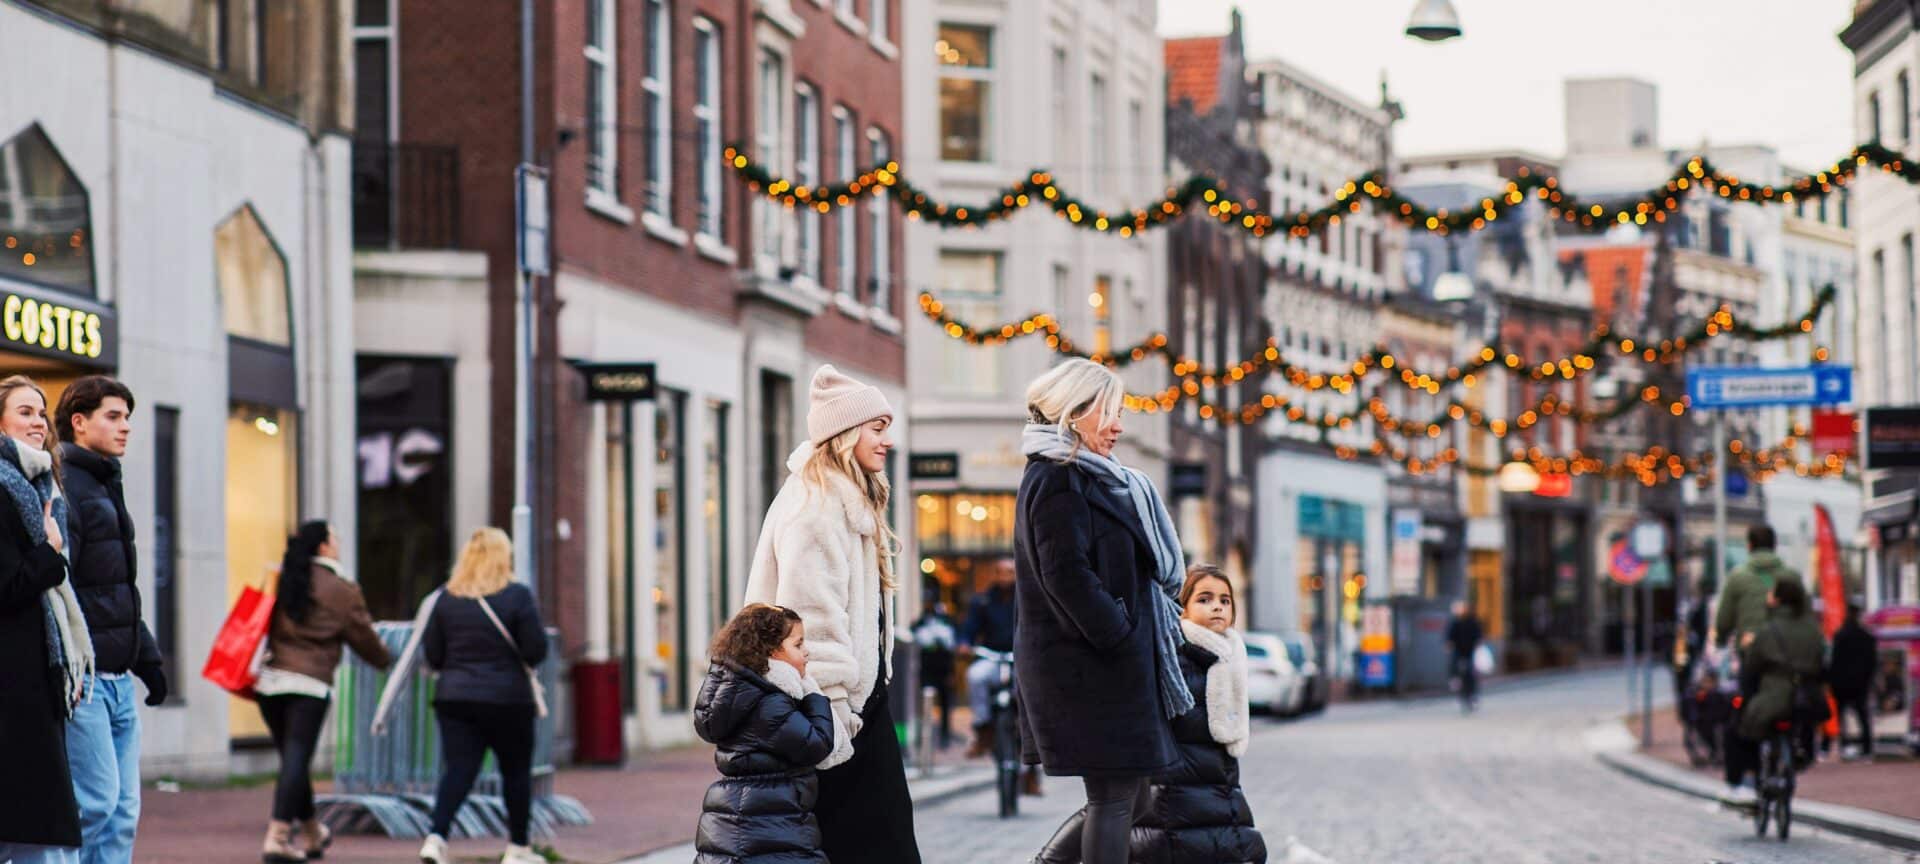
(1463, 636)
(935, 636)
(1856, 657)
(989, 625)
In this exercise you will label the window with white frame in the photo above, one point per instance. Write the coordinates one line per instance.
(878, 22)
(1062, 105)
(706, 124)
(771, 124)
(658, 90)
(806, 172)
(966, 87)
(969, 283)
(1097, 134)
(879, 233)
(846, 225)
(603, 99)
(1137, 141)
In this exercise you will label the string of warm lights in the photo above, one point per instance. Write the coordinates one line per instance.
(1650, 467)
(1270, 359)
(1039, 188)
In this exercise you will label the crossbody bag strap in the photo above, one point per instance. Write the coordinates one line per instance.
(533, 676)
(502, 628)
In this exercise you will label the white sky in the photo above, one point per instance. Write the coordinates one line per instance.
(1730, 71)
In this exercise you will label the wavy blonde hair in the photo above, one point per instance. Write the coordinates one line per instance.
(485, 566)
(834, 457)
(1072, 391)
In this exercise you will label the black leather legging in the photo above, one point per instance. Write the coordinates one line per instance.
(1098, 832)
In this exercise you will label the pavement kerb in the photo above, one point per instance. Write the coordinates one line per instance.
(930, 792)
(1614, 747)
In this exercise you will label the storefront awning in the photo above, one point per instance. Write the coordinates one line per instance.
(1899, 508)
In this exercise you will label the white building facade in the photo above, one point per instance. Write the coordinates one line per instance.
(1075, 86)
(199, 223)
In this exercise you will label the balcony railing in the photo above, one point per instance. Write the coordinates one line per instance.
(405, 196)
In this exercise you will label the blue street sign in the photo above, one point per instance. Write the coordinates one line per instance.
(1737, 484)
(1749, 387)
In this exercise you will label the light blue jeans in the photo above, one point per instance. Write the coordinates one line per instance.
(103, 753)
(29, 853)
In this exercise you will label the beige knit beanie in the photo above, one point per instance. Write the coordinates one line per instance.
(837, 403)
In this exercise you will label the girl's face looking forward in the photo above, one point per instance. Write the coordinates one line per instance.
(1211, 605)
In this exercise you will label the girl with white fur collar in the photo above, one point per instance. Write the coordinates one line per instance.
(770, 724)
(1196, 813)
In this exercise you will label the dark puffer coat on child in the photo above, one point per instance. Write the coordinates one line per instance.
(1196, 813)
(770, 730)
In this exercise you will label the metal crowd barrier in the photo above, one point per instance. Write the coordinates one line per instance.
(386, 783)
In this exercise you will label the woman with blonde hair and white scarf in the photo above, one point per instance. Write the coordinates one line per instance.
(826, 552)
(46, 654)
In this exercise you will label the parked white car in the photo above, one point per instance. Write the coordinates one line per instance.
(1274, 684)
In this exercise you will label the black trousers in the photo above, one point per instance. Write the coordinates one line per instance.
(1861, 706)
(467, 731)
(864, 810)
(1469, 677)
(1099, 833)
(294, 722)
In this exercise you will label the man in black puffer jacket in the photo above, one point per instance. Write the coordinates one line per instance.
(103, 738)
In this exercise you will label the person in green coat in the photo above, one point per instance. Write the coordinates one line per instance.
(1743, 600)
(1787, 650)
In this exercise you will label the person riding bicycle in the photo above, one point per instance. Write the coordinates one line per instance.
(1782, 661)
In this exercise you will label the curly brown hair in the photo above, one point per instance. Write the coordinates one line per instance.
(754, 634)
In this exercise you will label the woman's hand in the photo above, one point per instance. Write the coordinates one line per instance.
(54, 539)
(1746, 640)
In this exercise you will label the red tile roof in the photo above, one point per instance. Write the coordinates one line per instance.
(1193, 71)
(1607, 267)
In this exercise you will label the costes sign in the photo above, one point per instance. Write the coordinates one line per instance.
(619, 382)
(65, 329)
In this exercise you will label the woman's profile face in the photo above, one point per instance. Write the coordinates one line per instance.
(1097, 432)
(871, 450)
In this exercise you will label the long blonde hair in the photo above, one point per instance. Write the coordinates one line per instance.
(485, 566)
(1072, 391)
(834, 457)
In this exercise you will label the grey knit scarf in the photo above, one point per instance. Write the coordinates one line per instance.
(1170, 563)
(69, 651)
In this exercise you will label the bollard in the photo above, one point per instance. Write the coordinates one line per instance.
(929, 703)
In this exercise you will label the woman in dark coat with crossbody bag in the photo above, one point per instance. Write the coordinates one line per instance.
(484, 635)
(44, 646)
(1097, 650)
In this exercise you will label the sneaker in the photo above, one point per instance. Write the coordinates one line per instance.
(521, 855)
(434, 851)
(1740, 795)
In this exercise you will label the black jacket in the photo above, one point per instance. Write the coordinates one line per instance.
(990, 620)
(476, 664)
(1856, 656)
(36, 795)
(767, 742)
(1084, 649)
(1196, 813)
(1464, 635)
(100, 545)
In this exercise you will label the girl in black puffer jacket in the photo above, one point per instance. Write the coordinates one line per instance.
(771, 725)
(1196, 812)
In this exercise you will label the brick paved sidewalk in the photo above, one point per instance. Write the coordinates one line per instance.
(1885, 785)
(650, 803)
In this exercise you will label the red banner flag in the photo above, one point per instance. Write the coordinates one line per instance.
(1827, 573)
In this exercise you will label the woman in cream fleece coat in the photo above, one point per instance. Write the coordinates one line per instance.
(825, 551)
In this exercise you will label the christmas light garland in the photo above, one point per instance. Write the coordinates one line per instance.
(1039, 188)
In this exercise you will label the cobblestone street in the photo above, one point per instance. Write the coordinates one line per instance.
(1417, 782)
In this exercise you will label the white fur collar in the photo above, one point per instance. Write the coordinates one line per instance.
(1228, 719)
(781, 674)
(852, 504)
(33, 460)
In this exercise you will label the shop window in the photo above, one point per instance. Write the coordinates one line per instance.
(262, 482)
(252, 275)
(669, 538)
(46, 232)
(405, 489)
(776, 433)
(165, 545)
(621, 571)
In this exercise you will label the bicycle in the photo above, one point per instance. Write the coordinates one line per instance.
(1774, 779)
(1006, 731)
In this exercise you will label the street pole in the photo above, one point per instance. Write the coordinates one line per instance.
(1719, 499)
(1626, 640)
(1646, 676)
(523, 326)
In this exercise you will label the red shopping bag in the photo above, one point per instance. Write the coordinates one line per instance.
(232, 663)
